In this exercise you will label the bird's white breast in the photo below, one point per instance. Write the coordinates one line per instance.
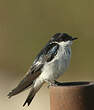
(52, 70)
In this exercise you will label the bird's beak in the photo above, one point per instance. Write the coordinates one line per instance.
(74, 38)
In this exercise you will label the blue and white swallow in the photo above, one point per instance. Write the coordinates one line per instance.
(52, 61)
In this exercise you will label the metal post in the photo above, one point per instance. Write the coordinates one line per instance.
(72, 96)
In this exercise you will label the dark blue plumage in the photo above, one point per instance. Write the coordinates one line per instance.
(46, 54)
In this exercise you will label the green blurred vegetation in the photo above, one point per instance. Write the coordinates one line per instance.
(26, 25)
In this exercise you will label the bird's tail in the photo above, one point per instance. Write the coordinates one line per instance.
(33, 91)
(30, 97)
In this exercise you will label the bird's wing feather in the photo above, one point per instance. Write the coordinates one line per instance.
(46, 55)
(48, 52)
(25, 82)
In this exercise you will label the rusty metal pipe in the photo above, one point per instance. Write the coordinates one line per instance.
(72, 96)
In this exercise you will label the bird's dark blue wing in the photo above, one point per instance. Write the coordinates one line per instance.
(52, 51)
(46, 54)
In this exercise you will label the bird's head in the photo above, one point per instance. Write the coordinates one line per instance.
(63, 39)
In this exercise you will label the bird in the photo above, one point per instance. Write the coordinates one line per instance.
(51, 62)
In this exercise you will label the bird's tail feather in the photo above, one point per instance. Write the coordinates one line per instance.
(30, 97)
(37, 85)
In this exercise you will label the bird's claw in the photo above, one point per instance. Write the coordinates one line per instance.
(52, 84)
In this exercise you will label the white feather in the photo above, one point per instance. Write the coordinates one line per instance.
(53, 69)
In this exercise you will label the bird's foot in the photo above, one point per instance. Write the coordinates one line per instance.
(52, 84)
(56, 83)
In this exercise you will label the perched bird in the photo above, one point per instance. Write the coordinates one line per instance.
(49, 64)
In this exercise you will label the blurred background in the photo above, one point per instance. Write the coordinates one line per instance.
(25, 27)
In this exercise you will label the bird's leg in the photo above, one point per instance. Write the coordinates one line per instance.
(51, 83)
